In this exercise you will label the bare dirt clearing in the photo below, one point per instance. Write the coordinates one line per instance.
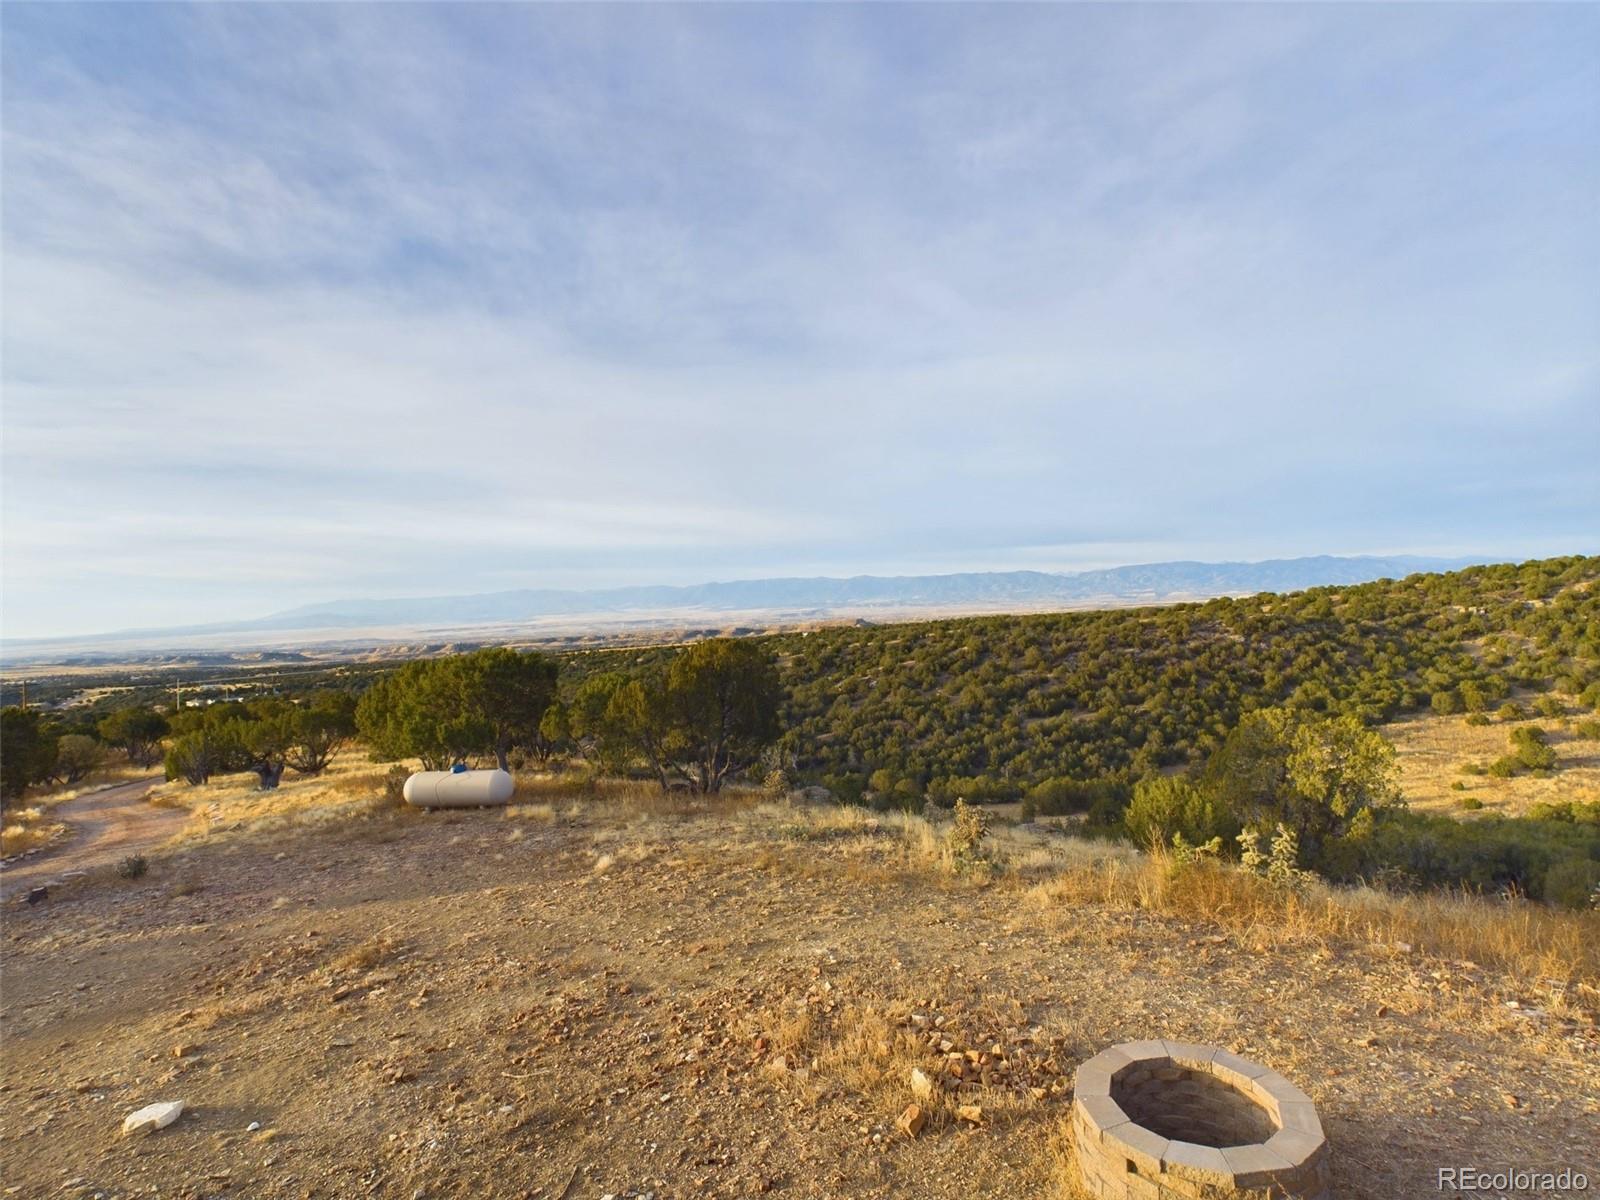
(104, 826)
(582, 999)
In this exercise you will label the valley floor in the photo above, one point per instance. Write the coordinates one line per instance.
(602, 1000)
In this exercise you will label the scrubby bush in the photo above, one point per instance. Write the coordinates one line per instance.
(1164, 807)
(1504, 767)
(132, 867)
(968, 828)
(394, 786)
(77, 757)
(1530, 747)
(1573, 883)
(1058, 797)
(1490, 853)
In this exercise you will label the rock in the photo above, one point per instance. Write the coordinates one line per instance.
(1512, 1100)
(912, 1120)
(971, 1112)
(37, 894)
(252, 1127)
(921, 1085)
(153, 1116)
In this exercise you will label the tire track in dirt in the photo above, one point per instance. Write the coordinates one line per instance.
(106, 826)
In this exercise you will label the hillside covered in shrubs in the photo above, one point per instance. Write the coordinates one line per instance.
(1197, 727)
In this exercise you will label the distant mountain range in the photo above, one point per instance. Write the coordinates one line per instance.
(784, 600)
(818, 597)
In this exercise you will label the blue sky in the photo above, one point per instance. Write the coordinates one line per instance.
(305, 301)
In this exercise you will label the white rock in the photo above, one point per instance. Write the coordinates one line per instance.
(921, 1084)
(153, 1116)
(252, 1127)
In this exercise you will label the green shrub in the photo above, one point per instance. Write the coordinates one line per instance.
(1489, 853)
(1573, 812)
(1503, 768)
(1477, 718)
(1470, 803)
(1531, 748)
(1057, 797)
(1511, 711)
(1574, 883)
(846, 789)
(1165, 807)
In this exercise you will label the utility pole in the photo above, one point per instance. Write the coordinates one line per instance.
(24, 693)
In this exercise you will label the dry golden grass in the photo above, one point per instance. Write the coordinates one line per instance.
(573, 791)
(631, 819)
(371, 953)
(1432, 750)
(352, 787)
(1522, 938)
(29, 827)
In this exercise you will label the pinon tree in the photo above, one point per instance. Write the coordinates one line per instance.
(707, 717)
(1314, 775)
(317, 729)
(137, 732)
(27, 752)
(507, 692)
(443, 709)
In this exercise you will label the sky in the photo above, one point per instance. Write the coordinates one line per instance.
(316, 301)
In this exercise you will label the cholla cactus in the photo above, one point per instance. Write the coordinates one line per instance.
(1250, 856)
(1183, 853)
(1281, 864)
(967, 831)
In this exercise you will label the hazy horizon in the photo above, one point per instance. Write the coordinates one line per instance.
(1293, 575)
(309, 302)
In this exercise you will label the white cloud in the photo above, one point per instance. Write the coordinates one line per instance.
(548, 295)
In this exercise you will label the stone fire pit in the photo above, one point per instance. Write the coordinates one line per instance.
(1159, 1119)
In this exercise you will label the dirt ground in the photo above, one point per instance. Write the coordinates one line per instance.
(595, 1001)
(104, 826)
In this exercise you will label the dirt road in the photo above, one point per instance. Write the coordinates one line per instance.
(106, 826)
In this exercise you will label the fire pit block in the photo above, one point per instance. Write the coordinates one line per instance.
(1159, 1119)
